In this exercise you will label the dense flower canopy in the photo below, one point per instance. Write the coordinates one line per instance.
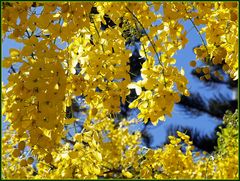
(68, 54)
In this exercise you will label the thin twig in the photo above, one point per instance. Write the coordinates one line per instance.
(97, 32)
(75, 128)
(132, 73)
(144, 51)
(153, 45)
(14, 71)
(29, 36)
(199, 34)
(69, 141)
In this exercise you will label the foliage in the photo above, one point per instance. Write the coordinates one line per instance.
(68, 55)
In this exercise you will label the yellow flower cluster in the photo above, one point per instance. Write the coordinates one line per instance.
(221, 36)
(115, 153)
(66, 53)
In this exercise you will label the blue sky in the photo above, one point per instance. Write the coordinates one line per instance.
(203, 123)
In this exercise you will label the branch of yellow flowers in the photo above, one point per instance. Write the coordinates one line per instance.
(195, 27)
(199, 34)
(95, 27)
(153, 45)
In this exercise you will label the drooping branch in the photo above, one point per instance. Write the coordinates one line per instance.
(199, 33)
(152, 43)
